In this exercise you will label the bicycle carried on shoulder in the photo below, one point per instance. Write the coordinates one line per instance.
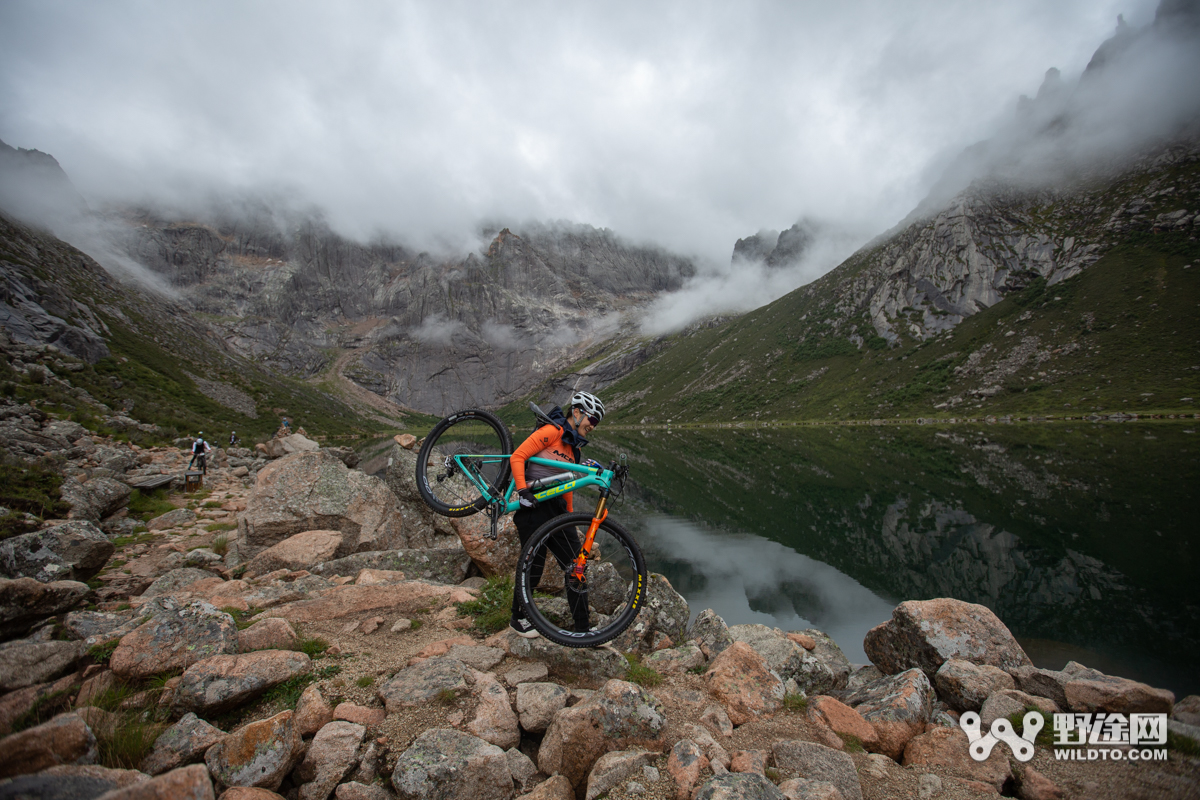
(463, 468)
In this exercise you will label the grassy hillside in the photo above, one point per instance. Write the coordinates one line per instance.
(1122, 336)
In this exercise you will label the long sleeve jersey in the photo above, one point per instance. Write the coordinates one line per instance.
(546, 442)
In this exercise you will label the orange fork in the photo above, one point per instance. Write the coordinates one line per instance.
(581, 560)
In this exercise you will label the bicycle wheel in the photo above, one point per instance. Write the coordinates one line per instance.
(610, 595)
(464, 451)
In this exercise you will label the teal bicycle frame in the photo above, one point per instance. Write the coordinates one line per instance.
(469, 465)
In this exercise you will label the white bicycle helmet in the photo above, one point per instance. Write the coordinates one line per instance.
(590, 404)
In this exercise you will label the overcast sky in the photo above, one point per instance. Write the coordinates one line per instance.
(689, 124)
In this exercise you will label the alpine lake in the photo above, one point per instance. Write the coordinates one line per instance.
(1081, 536)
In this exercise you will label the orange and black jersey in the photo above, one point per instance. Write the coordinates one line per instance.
(546, 442)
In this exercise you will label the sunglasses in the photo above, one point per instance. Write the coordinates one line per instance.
(594, 420)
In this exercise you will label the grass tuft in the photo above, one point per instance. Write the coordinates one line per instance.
(795, 702)
(492, 608)
(1183, 744)
(639, 673)
(101, 653)
(364, 681)
(220, 545)
(852, 742)
(312, 646)
(44, 708)
(447, 697)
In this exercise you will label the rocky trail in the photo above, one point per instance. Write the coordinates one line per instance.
(294, 630)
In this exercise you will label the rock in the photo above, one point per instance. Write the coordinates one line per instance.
(66, 739)
(741, 680)
(23, 665)
(1047, 683)
(524, 772)
(171, 519)
(73, 551)
(739, 786)
(257, 754)
(185, 783)
(301, 551)
(183, 743)
(685, 765)
(69, 782)
(928, 785)
(344, 455)
(588, 664)
(947, 748)
(445, 764)
(1006, 702)
(293, 443)
(842, 719)
(177, 580)
(332, 755)
(675, 660)
(342, 601)
(495, 721)
(537, 703)
(174, 639)
(419, 684)
(1187, 710)
(493, 556)
(437, 565)
(619, 716)
(202, 558)
(1090, 690)
(748, 761)
(95, 499)
(1036, 786)
(615, 768)
(372, 577)
(717, 721)
(717, 755)
(862, 676)
(897, 706)
(476, 657)
(804, 789)
(819, 763)
(249, 793)
(826, 651)
(664, 611)
(98, 624)
(361, 791)
(16, 703)
(268, 634)
(556, 788)
(360, 715)
(526, 673)
(964, 686)
(710, 633)
(312, 712)
(925, 633)
(220, 683)
(441, 648)
(405, 440)
(315, 491)
(787, 659)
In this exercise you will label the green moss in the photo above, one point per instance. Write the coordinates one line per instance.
(639, 673)
(101, 653)
(493, 608)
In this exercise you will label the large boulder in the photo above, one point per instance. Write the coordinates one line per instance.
(287, 445)
(183, 743)
(710, 633)
(73, 551)
(495, 721)
(664, 612)
(898, 706)
(315, 491)
(223, 682)
(66, 739)
(949, 750)
(964, 686)
(407, 597)
(185, 783)
(537, 703)
(826, 650)
(302, 551)
(1090, 690)
(438, 565)
(789, 660)
(618, 716)
(451, 765)
(926, 633)
(94, 499)
(332, 755)
(818, 762)
(257, 754)
(493, 556)
(177, 580)
(425, 681)
(741, 679)
(174, 639)
(739, 786)
(25, 602)
(24, 664)
(588, 664)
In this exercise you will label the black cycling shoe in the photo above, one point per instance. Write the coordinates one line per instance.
(523, 628)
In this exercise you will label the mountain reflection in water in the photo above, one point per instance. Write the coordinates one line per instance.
(1081, 538)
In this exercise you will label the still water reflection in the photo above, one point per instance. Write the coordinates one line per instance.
(1081, 538)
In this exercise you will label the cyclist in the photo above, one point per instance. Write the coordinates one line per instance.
(560, 441)
(200, 451)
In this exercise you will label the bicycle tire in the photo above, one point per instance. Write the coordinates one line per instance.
(616, 580)
(440, 481)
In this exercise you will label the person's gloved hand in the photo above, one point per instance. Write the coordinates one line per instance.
(526, 498)
(591, 462)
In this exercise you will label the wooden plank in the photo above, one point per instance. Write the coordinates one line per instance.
(153, 482)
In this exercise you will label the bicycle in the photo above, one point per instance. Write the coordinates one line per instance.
(463, 468)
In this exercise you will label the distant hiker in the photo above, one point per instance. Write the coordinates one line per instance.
(233, 440)
(559, 441)
(200, 451)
